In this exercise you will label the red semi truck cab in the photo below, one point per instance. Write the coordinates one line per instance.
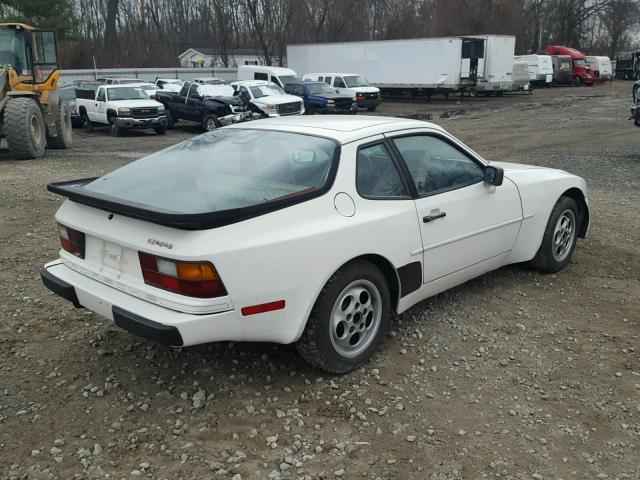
(581, 71)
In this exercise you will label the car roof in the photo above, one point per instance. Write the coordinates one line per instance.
(342, 128)
(253, 83)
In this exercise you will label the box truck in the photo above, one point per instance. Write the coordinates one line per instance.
(414, 67)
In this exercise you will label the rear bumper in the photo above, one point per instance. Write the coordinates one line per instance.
(138, 316)
(157, 122)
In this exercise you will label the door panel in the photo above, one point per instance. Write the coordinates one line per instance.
(463, 220)
(480, 222)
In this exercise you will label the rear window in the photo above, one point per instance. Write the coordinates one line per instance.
(224, 170)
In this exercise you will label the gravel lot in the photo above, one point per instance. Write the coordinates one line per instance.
(515, 375)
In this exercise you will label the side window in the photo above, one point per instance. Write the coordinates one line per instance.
(435, 165)
(327, 80)
(184, 90)
(298, 90)
(193, 92)
(377, 175)
(260, 76)
(101, 96)
(276, 81)
(339, 83)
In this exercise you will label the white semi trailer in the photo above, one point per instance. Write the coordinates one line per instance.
(415, 67)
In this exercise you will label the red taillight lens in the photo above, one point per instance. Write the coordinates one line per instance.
(72, 240)
(193, 279)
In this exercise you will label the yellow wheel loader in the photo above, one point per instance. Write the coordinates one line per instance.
(32, 115)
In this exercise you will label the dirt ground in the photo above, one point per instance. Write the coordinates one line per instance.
(515, 375)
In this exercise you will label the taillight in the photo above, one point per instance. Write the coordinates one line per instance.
(72, 240)
(193, 279)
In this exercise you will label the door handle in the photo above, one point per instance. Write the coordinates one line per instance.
(431, 218)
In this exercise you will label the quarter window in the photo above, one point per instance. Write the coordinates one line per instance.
(435, 165)
(376, 174)
(260, 76)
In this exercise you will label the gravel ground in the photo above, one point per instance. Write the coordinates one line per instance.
(515, 375)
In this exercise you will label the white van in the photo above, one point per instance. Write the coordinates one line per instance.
(358, 87)
(602, 67)
(278, 75)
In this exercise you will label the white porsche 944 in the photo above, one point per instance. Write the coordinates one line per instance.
(311, 230)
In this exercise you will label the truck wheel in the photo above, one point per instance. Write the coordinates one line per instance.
(114, 129)
(87, 126)
(372, 109)
(171, 123)
(24, 128)
(349, 319)
(161, 130)
(210, 123)
(64, 130)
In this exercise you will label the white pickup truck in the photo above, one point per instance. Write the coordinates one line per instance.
(121, 107)
(268, 98)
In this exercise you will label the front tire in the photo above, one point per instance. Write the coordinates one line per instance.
(210, 123)
(560, 237)
(171, 122)
(348, 320)
(24, 128)
(114, 129)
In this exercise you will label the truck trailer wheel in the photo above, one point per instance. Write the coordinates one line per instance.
(64, 130)
(24, 128)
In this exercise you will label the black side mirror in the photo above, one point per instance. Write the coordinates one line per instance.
(493, 175)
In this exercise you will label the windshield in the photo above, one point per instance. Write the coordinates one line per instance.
(319, 88)
(12, 50)
(355, 81)
(126, 93)
(284, 79)
(223, 170)
(266, 90)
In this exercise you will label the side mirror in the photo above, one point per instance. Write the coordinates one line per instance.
(493, 175)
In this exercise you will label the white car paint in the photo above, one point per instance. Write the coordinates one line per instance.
(291, 253)
(278, 75)
(98, 109)
(337, 81)
(269, 105)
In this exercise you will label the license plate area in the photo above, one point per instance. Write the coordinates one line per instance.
(112, 256)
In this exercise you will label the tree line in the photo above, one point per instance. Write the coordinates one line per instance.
(151, 33)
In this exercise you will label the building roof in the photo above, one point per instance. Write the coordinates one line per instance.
(214, 52)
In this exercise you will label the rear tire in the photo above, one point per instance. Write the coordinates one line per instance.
(24, 128)
(560, 237)
(114, 129)
(64, 130)
(349, 319)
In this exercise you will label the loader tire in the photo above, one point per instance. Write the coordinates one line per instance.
(24, 128)
(64, 129)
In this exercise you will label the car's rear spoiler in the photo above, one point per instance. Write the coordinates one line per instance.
(74, 190)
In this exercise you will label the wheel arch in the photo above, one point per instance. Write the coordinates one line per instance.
(111, 113)
(386, 267)
(578, 196)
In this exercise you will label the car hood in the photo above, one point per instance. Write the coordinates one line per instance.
(276, 99)
(237, 102)
(513, 167)
(135, 103)
(368, 89)
(335, 96)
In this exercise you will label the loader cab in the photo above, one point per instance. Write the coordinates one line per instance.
(31, 53)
